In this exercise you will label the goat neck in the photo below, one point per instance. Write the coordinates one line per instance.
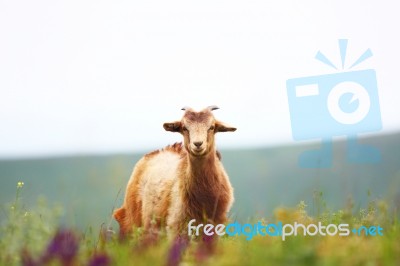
(202, 171)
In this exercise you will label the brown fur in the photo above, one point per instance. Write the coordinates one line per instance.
(197, 116)
(171, 186)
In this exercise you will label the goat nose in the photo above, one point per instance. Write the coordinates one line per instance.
(198, 143)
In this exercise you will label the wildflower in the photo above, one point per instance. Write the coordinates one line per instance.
(286, 215)
(20, 184)
(302, 205)
(178, 247)
(107, 234)
(205, 248)
(100, 260)
(63, 246)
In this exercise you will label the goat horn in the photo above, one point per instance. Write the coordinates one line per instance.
(212, 107)
(185, 108)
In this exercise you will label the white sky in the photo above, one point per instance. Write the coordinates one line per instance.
(102, 76)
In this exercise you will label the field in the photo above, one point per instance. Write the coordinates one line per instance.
(34, 237)
(57, 211)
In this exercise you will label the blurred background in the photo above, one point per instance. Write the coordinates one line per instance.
(86, 86)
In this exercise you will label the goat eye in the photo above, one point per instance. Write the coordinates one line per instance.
(211, 128)
(184, 129)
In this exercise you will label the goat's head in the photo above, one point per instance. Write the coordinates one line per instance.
(198, 130)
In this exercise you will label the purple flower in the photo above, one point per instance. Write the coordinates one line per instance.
(100, 260)
(208, 240)
(64, 246)
(178, 247)
(206, 247)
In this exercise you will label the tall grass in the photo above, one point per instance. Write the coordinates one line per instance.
(34, 237)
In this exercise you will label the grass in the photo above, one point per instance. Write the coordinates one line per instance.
(34, 237)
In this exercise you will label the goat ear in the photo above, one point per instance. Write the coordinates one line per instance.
(173, 127)
(221, 127)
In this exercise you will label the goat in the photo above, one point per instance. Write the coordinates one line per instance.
(180, 182)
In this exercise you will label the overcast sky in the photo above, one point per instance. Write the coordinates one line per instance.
(102, 76)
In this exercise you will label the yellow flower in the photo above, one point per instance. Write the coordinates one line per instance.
(286, 215)
(20, 184)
